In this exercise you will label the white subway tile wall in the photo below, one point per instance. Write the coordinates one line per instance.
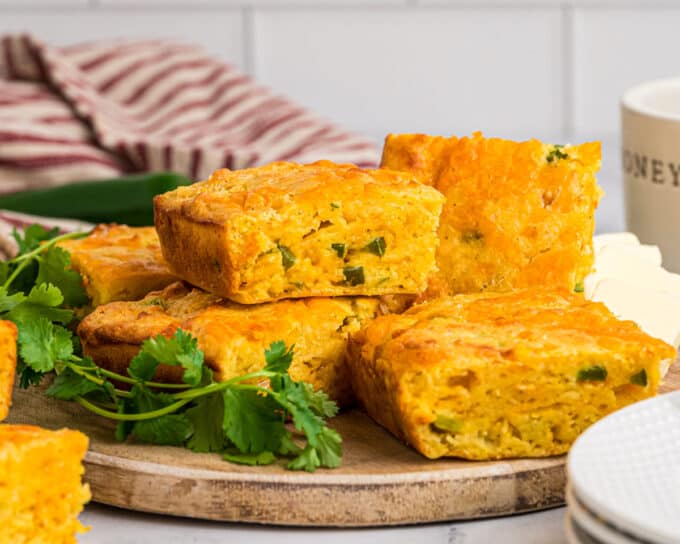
(443, 71)
(553, 69)
(219, 31)
(615, 49)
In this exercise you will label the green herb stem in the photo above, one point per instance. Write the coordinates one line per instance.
(219, 386)
(85, 374)
(48, 244)
(260, 389)
(130, 417)
(24, 260)
(131, 381)
(15, 273)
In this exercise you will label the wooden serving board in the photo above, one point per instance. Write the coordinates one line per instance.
(381, 481)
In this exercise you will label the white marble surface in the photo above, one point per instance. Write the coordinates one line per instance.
(115, 526)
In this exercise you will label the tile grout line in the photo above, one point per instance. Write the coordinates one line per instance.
(568, 72)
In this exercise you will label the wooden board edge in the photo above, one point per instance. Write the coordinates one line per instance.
(349, 504)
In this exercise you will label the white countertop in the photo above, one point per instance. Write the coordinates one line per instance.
(115, 526)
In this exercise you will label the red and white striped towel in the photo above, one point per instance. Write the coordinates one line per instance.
(11, 221)
(95, 110)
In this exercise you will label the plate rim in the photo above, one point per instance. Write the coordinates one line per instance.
(596, 528)
(611, 513)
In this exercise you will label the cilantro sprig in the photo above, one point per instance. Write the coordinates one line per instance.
(37, 291)
(240, 418)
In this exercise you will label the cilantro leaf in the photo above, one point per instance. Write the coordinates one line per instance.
(181, 349)
(253, 422)
(167, 430)
(308, 460)
(262, 458)
(28, 376)
(206, 417)
(9, 302)
(206, 376)
(293, 397)
(329, 448)
(143, 399)
(288, 447)
(54, 266)
(42, 301)
(143, 366)
(278, 359)
(318, 401)
(327, 453)
(42, 344)
(69, 385)
(45, 294)
(33, 236)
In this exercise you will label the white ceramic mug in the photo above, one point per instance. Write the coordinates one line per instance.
(650, 123)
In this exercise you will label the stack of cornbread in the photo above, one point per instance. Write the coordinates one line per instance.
(41, 493)
(501, 356)
(299, 253)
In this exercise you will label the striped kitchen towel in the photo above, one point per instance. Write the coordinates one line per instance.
(15, 221)
(99, 109)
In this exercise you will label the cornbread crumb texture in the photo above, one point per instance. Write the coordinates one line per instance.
(233, 336)
(41, 493)
(118, 262)
(8, 363)
(490, 376)
(517, 214)
(288, 230)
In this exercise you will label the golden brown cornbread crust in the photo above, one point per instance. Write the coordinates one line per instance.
(288, 230)
(118, 262)
(233, 336)
(41, 491)
(518, 214)
(8, 363)
(500, 371)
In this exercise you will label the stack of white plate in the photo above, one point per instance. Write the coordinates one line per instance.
(624, 477)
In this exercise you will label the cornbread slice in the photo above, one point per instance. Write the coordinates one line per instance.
(491, 376)
(517, 214)
(289, 230)
(41, 493)
(232, 336)
(118, 262)
(8, 364)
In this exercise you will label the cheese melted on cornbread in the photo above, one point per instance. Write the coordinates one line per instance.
(491, 376)
(287, 231)
(41, 493)
(517, 214)
(118, 262)
(233, 336)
